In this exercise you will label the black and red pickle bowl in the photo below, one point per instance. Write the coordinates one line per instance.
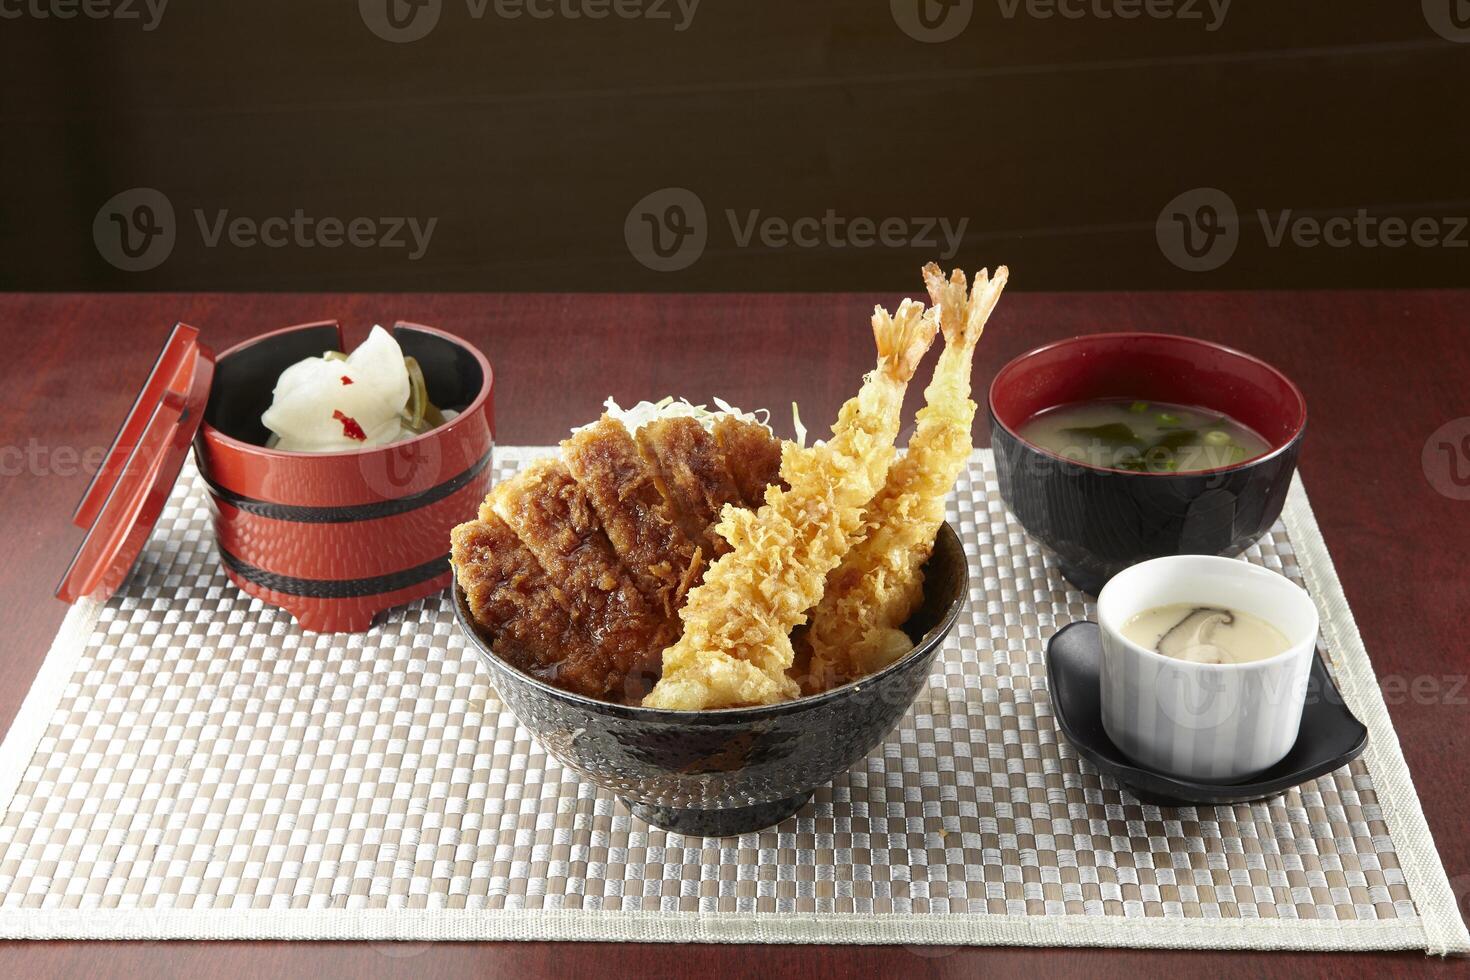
(337, 538)
(733, 771)
(1097, 521)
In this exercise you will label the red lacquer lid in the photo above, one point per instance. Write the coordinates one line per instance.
(125, 498)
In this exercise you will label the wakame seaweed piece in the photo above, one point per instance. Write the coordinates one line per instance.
(1115, 434)
(1177, 439)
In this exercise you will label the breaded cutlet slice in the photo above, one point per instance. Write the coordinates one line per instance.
(753, 456)
(513, 599)
(638, 521)
(555, 520)
(692, 474)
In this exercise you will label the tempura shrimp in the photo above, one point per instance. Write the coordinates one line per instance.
(879, 584)
(735, 649)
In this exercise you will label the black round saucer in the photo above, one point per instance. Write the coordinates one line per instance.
(1330, 736)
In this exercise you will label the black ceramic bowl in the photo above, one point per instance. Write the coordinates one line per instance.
(733, 770)
(1097, 521)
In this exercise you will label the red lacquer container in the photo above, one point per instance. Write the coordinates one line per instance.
(333, 538)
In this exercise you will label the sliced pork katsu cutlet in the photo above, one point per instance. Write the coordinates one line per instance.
(753, 456)
(556, 521)
(513, 599)
(692, 473)
(639, 523)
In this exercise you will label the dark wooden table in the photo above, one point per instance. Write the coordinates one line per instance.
(1382, 371)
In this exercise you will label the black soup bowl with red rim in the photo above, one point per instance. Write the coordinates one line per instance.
(1098, 520)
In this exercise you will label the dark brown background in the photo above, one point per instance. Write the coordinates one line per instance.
(1061, 140)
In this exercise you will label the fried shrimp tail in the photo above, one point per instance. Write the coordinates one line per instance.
(736, 649)
(879, 584)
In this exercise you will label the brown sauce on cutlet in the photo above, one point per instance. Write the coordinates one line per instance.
(638, 521)
(556, 521)
(753, 456)
(693, 476)
(513, 600)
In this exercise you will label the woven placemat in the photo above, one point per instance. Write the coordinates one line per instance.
(190, 764)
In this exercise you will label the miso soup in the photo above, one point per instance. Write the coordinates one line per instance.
(1143, 436)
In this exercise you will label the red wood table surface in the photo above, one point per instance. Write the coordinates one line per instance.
(1382, 371)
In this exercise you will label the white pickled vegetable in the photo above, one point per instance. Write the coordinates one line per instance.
(323, 405)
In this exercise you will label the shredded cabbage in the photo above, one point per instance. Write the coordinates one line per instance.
(669, 407)
(796, 424)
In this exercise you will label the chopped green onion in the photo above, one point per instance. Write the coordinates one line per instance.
(1167, 419)
(1139, 407)
(1217, 438)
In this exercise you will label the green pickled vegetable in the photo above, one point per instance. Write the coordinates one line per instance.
(420, 415)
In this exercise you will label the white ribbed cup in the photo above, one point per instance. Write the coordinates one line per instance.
(1209, 722)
